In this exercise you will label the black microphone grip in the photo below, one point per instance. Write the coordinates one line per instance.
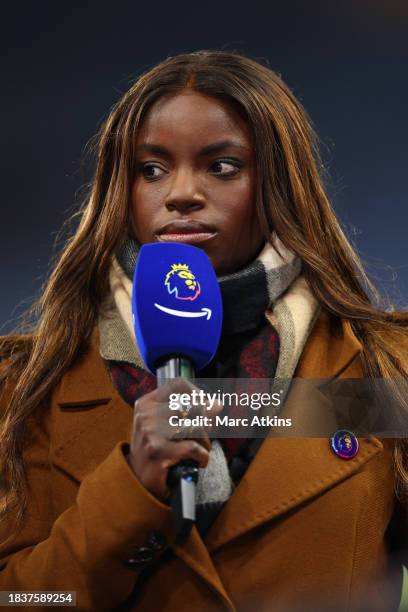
(182, 478)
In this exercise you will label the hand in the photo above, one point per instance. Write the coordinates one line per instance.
(152, 451)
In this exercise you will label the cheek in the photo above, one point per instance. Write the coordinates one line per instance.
(142, 212)
(240, 213)
(242, 228)
(239, 196)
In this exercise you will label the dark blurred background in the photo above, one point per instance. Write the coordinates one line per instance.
(66, 63)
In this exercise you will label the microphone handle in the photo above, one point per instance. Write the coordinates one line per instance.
(182, 478)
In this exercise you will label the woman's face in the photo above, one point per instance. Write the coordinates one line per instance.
(195, 180)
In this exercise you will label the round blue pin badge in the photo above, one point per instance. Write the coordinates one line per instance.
(344, 444)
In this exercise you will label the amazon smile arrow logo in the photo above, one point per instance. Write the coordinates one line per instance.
(205, 312)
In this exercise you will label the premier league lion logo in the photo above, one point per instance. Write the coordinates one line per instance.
(181, 283)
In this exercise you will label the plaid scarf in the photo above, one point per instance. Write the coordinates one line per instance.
(249, 347)
(275, 284)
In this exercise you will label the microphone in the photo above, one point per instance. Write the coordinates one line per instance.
(177, 317)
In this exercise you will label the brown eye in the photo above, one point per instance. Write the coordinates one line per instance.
(150, 171)
(226, 167)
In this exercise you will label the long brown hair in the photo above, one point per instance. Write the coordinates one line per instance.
(290, 198)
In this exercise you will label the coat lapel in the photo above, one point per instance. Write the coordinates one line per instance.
(287, 471)
(89, 417)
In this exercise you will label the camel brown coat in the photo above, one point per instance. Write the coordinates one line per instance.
(304, 529)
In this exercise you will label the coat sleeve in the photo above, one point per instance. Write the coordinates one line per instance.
(98, 546)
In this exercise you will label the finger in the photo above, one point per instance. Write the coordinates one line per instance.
(186, 449)
(185, 431)
(204, 441)
(214, 408)
(156, 473)
(176, 385)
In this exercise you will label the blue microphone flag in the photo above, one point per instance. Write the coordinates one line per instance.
(176, 304)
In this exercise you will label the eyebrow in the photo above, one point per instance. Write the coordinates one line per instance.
(215, 147)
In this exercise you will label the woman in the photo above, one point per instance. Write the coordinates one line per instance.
(209, 148)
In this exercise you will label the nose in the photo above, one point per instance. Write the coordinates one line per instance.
(184, 194)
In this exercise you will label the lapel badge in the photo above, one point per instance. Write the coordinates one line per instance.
(344, 444)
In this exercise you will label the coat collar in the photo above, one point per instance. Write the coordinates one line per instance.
(332, 348)
(90, 417)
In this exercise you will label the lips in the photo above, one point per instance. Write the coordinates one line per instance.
(188, 231)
